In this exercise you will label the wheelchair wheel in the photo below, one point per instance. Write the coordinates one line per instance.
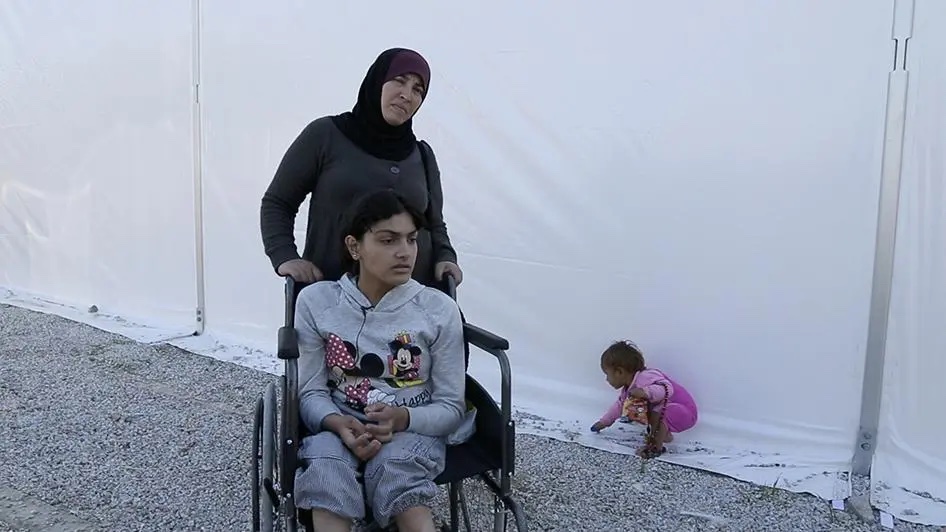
(255, 464)
(265, 499)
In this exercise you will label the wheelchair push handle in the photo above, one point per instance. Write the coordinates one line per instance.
(451, 283)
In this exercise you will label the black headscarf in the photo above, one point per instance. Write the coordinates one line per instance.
(365, 125)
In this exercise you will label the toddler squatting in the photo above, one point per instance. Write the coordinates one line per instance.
(624, 368)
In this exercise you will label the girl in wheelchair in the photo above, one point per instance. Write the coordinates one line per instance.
(381, 376)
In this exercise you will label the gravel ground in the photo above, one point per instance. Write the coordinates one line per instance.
(104, 433)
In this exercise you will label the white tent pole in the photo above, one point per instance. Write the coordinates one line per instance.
(889, 203)
(198, 173)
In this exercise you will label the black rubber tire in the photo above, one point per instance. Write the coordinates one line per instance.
(255, 464)
(268, 437)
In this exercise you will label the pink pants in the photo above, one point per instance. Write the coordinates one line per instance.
(680, 413)
(679, 417)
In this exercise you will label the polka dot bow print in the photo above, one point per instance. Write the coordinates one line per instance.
(336, 354)
(358, 395)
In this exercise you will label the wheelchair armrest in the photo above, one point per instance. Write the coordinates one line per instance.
(497, 346)
(484, 339)
(288, 346)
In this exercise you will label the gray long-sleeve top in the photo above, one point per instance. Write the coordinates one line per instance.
(323, 162)
(350, 357)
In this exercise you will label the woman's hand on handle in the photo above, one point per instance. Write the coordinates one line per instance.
(442, 268)
(300, 270)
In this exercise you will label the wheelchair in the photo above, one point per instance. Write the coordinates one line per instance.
(489, 454)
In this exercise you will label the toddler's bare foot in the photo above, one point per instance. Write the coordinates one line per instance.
(650, 451)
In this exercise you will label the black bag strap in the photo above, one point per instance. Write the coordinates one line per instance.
(425, 158)
(425, 151)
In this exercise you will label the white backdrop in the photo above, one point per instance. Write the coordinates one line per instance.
(909, 471)
(96, 177)
(701, 180)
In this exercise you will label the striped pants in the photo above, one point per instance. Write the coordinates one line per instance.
(399, 477)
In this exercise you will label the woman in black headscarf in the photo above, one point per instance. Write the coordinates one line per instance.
(339, 158)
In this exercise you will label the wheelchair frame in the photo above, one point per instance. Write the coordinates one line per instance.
(276, 440)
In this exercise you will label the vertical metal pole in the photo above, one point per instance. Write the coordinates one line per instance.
(872, 390)
(197, 133)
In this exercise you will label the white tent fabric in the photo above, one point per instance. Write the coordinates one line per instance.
(96, 158)
(701, 180)
(909, 470)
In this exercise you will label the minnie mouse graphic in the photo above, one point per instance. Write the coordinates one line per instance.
(344, 373)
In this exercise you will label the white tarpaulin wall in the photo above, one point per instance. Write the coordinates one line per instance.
(703, 180)
(909, 471)
(96, 158)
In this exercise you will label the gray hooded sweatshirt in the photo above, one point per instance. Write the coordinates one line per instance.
(405, 351)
